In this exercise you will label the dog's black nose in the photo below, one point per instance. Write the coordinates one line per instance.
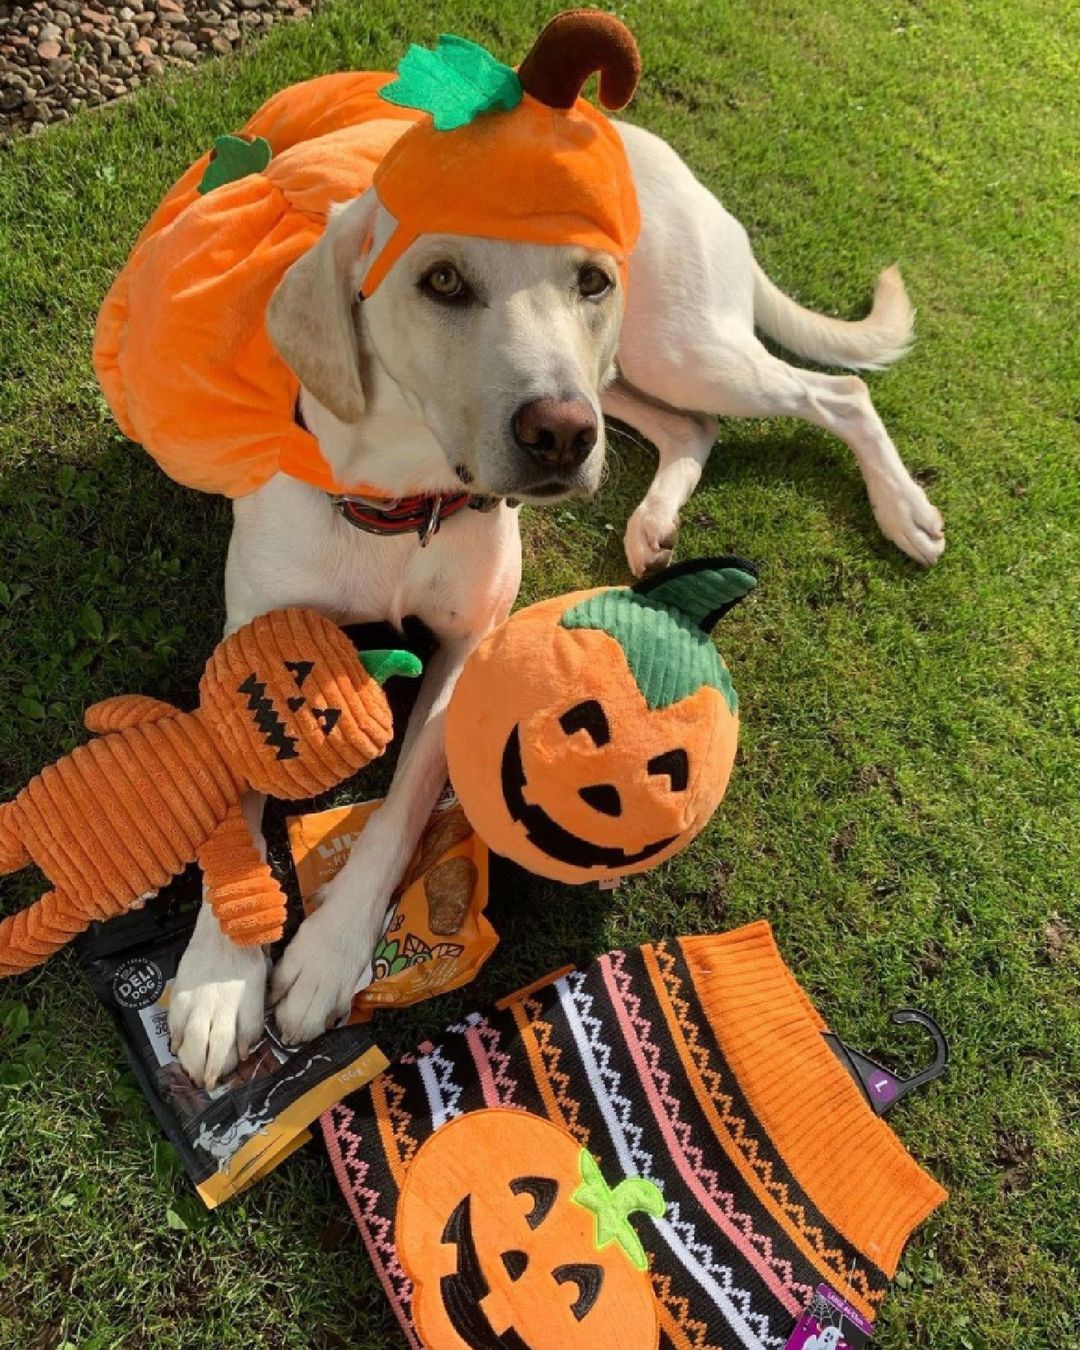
(559, 433)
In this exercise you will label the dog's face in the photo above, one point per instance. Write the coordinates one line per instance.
(501, 348)
(505, 348)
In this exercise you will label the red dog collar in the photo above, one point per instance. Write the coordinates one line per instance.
(420, 514)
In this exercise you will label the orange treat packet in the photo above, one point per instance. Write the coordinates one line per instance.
(436, 936)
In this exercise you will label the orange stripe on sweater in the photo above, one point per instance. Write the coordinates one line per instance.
(551, 1106)
(386, 1132)
(830, 1272)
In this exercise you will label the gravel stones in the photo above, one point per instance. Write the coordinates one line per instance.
(59, 56)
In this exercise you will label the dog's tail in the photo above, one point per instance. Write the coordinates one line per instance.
(883, 337)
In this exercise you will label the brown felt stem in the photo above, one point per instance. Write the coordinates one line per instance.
(572, 47)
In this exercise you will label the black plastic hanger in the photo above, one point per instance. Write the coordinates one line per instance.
(880, 1086)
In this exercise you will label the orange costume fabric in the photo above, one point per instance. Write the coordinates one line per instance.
(182, 352)
(287, 707)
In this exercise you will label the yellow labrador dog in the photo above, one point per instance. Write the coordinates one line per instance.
(493, 364)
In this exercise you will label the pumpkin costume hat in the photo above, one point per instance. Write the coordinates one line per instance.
(287, 707)
(514, 155)
(659, 1150)
(592, 735)
(456, 142)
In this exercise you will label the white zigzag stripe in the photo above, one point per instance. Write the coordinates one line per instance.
(437, 1075)
(693, 1154)
(698, 1258)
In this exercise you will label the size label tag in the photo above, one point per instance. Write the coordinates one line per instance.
(830, 1323)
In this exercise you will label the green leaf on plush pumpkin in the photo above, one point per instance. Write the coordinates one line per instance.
(455, 83)
(234, 158)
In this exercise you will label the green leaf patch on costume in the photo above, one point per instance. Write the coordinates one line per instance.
(612, 1207)
(455, 83)
(234, 158)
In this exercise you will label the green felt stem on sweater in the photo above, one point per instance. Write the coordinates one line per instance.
(613, 1205)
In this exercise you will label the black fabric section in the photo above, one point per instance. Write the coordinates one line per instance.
(589, 1279)
(300, 671)
(327, 718)
(267, 718)
(602, 797)
(674, 763)
(463, 1293)
(543, 1192)
(680, 1200)
(715, 1157)
(588, 716)
(515, 1264)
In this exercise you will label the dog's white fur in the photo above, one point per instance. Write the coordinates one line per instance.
(410, 395)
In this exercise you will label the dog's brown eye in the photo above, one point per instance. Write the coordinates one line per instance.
(593, 282)
(446, 282)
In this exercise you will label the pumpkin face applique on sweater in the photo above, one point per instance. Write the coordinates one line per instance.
(514, 1241)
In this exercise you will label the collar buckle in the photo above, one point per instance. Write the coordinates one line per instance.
(428, 531)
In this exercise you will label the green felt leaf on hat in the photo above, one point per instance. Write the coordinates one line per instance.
(235, 158)
(455, 83)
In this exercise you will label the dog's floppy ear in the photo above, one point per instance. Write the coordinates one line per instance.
(311, 317)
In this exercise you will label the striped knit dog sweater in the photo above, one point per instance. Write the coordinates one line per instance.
(694, 1163)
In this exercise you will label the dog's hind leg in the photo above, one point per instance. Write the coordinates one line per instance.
(731, 372)
(13, 852)
(683, 441)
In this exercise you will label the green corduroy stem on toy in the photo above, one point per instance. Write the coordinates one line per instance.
(455, 83)
(663, 624)
(704, 594)
(381, 665)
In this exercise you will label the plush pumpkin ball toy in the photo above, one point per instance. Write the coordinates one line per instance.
(512, 1237)
(592, 736)
(287, 707)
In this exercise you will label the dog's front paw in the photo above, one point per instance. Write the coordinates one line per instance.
(907, 516)
(216, 1006)
(650, 538)
(313, 984)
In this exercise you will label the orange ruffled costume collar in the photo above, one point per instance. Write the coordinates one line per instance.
(181, 349)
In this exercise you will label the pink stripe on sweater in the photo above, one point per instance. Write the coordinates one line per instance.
(378, 1257)
(483, 1067)
(734, 1235)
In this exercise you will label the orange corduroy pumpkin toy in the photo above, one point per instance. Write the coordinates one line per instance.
(457, 143)
(592, 736)
(287, 707)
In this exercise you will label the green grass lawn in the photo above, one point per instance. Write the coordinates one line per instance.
(906, 808)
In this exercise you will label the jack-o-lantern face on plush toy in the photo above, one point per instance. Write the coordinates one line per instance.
(593, 735)
(514, 1241)
(295, 707)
